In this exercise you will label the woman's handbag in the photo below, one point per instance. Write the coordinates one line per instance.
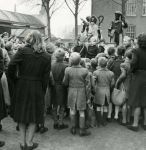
(118, 96)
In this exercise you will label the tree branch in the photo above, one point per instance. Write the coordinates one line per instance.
(82, 1)
(53, 11)
(116, 2)
(73, 1)
(82, 5)
(52, 4)
(69, 7)
(44, 5)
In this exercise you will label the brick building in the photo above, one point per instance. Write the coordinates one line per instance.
(135, 15)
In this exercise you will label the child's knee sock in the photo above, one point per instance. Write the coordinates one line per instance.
(98, 116)
(109, 110)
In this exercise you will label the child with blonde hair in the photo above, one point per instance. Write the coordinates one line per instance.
(76, 78)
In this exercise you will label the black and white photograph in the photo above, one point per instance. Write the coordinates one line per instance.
(72, 74)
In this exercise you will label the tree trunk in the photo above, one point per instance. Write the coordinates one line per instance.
(48, 22)
(76, 18)
(49, 27)
(76, 26)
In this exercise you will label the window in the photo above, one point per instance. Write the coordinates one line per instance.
(144, 8)
(131, 31)
(131, 8)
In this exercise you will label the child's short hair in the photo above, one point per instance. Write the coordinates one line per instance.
(100, 55)
(93, 63)
(102, 62)
(111, 51)
(121, 51)
(75, 58)
(101, 49)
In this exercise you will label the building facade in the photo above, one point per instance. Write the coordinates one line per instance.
(135, 15)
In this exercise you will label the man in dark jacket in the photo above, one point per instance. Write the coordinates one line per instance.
(115, 32)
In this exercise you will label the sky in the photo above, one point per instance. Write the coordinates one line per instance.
(61, 20)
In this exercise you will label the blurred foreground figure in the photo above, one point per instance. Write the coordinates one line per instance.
(31, 82)
(137, 90)
(2, 102)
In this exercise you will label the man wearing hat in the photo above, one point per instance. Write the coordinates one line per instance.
(115, 32)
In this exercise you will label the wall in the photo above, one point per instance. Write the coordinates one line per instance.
(107, 8)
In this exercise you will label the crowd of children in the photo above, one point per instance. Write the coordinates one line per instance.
(84, 86)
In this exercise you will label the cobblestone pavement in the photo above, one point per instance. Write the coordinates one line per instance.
(111, 137)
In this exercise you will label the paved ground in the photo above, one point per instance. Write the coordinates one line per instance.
(111, 137)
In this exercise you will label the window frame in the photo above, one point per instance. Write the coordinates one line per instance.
(143, 2)
(131, 14)
(129, 32)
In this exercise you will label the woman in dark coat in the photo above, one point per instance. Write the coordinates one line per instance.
(34, 66)
(137, 93)
(59, 91)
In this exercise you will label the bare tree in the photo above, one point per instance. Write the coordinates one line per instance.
(50, 7)
(75, 7)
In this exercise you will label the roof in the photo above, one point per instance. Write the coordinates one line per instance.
(18, 19)
(22, 32)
